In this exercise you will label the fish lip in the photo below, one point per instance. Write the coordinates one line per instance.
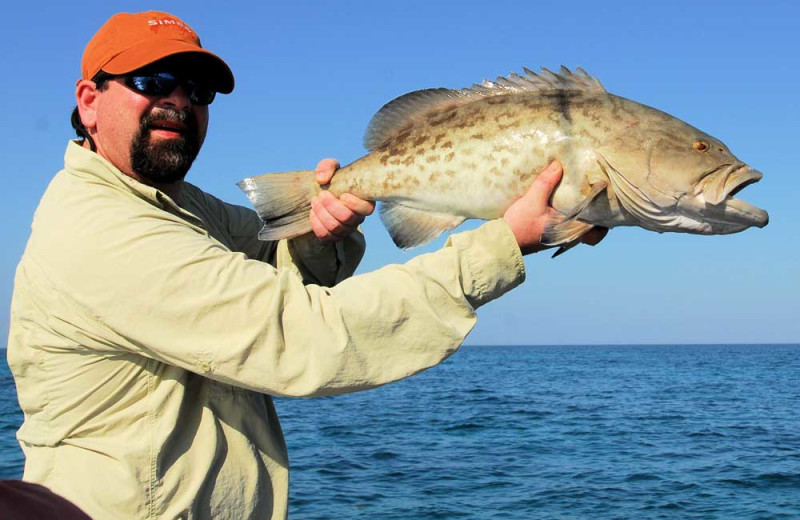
(726, 180)
(740, 215)
(739, 179)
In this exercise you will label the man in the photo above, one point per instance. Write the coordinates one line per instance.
(149, 325)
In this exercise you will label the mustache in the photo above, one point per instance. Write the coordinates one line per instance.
(170, 115)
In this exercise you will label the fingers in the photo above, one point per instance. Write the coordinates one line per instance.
(347, 209)
(542, 188)
(528, 216)
(334, 218)
(330, 219)
(325, 170)
(321, 231)
(360, 206)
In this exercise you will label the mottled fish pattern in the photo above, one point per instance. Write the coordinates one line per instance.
(441, 156)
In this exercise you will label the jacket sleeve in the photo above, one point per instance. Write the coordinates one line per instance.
(158, 288)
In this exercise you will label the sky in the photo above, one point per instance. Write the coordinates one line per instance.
(310, 75)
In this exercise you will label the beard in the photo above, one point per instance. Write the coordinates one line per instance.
(165, 161)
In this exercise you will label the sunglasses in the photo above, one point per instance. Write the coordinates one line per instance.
(164, 83)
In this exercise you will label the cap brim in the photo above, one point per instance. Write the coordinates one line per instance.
(205, 64)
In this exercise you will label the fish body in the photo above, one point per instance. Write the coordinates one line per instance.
(439, 157)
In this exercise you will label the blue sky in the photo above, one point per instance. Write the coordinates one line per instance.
(311, 74)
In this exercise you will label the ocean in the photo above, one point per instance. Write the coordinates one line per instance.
(546, 432)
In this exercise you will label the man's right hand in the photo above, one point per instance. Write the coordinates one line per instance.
(529, 215)
(334, 218)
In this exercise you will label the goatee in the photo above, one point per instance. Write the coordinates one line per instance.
(165, 161)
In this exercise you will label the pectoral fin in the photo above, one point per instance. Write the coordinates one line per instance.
(411, 227)
(567, 231)
(596, 189)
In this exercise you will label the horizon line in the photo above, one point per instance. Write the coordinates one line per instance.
(788, 343)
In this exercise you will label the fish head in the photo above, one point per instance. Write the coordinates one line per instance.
(674, 177)
(704, 176)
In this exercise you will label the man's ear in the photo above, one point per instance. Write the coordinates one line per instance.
(86, 96)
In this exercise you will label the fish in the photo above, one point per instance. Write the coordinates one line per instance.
(439, 156)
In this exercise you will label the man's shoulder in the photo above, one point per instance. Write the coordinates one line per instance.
(192, 192)
(200, 201)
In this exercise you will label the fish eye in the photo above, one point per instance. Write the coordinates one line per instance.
(700, 145)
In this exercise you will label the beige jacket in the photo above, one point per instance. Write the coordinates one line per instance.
(147, 335)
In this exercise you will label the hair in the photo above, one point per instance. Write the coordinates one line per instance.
(101, 81)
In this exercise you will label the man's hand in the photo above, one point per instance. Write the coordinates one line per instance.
(332, 218)
(530, 214)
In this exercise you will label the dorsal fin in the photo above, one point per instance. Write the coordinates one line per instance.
(544, 80)
(401, 113)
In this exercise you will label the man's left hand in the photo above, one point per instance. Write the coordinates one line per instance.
(334, 218)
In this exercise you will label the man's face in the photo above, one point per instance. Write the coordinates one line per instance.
(154, 138)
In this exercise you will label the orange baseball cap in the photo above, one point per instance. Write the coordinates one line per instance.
(130, 41)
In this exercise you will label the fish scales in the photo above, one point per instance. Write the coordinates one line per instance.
(433, 165)
(441, 156)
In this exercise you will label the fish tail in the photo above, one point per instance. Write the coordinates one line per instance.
(283, 201)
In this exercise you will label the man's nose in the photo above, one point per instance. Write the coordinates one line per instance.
(178, 98)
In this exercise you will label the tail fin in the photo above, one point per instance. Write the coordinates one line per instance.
(283, 201)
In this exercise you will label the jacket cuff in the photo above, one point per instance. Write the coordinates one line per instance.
(491, 261)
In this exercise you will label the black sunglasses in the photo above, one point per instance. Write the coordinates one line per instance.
(164, 83)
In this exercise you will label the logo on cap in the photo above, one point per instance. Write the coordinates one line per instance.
(156, 24)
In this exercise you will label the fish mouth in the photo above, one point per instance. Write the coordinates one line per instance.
(726, 181)
(722, 210)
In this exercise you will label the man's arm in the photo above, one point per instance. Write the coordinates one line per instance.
(163, 290)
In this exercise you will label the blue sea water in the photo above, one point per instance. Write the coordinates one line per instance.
(601, 433)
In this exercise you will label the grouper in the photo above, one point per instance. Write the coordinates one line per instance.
(441, 156)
